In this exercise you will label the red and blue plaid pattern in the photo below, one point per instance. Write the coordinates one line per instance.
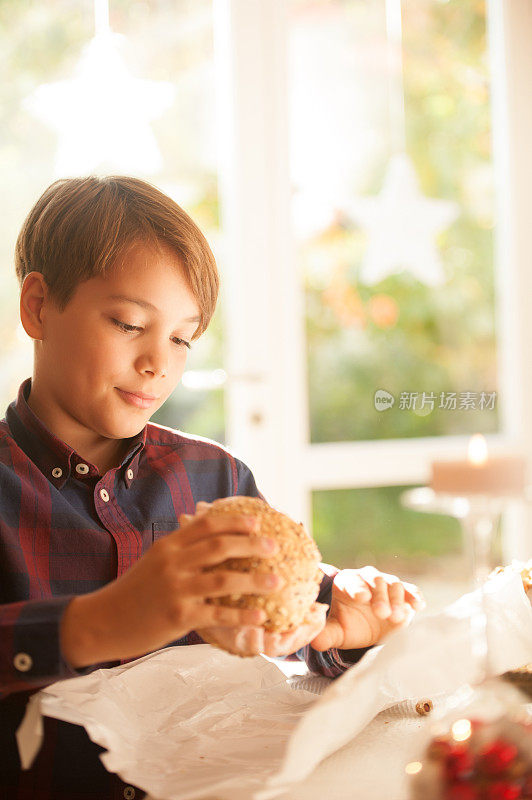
(59, 539)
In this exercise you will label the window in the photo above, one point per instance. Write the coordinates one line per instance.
(393, 213)
(146, 76)
(315, 123)
(279, 126)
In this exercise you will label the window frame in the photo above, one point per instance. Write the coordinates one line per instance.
(267, 405)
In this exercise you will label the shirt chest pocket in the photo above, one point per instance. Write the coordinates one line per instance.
(163, 528)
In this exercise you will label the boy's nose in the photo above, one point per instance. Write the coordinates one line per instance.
(154, 361)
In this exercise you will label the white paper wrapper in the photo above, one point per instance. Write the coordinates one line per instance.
(195, 722)
(436, 654)
(179, 720)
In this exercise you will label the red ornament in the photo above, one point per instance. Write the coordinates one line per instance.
(527, 788)
(476, 770)
(458, 764)
(502, 790)
(496, 757)
(462, 791)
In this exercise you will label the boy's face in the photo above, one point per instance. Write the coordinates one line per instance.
(89, 366)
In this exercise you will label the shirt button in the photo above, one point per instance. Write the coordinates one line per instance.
(82, 469)
(104, 495)
(57, 472)
(129, 793)
(129, 474)
(23, 662)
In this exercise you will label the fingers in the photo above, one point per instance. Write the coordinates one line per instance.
(201, 508)
(275, 644)
(206, 526)
(396, 596)
(414, 596)
(228, 619)
(380, 601)
(281, 644)
(388, 601)
(208, 552)
(332, 635)
(224, 582)
(405, 595)
(376, 580)
(251, 640)
(246, 640)
(351, 582)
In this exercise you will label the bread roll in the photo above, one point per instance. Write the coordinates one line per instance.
(297, 560)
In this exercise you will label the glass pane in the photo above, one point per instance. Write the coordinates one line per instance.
(356, 527)
(393, 216)
(147, 110)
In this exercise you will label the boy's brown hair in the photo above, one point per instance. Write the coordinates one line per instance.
(80, 227)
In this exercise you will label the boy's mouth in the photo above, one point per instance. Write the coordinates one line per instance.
(139, 400)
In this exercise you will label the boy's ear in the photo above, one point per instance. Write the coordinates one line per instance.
(32, 298)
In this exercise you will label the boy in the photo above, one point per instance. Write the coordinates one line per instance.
(116, 282)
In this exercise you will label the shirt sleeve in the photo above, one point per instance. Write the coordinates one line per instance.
(30, 652)
(244, 483)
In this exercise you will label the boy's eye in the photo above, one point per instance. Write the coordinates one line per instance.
(179, 341)
(125, 327)
(130, 328)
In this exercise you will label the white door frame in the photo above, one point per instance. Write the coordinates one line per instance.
(266, 399)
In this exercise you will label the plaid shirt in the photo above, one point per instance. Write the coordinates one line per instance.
(62, 535)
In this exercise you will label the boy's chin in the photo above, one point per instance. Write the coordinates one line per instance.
(126, 428)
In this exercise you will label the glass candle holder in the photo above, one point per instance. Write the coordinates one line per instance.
(479, 516)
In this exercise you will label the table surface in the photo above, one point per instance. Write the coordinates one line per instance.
(370, 767)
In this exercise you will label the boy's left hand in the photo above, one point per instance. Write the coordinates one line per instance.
(365, 605)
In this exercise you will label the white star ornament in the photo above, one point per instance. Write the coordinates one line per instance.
(401, 225)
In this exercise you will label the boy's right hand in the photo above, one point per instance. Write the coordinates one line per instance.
(163, 596)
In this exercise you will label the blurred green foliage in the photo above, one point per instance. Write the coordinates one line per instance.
(357, 527)
(401, 335)
(370, 525)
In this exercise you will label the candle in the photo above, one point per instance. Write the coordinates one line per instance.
(480, 474)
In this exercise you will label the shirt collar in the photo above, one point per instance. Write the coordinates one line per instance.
(53, 457)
